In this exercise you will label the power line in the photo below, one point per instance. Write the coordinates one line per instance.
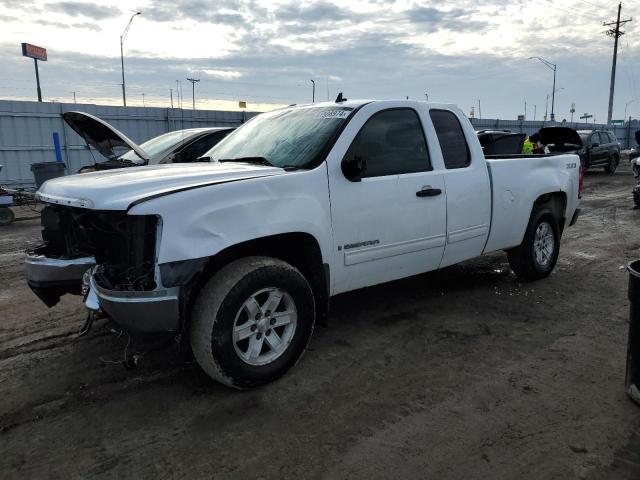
(549, 3)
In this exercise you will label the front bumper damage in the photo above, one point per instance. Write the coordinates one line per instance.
(137, 311)
(50, 278)
(110, 258)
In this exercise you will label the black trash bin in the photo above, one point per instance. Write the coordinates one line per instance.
(632, 381)
(47, 170)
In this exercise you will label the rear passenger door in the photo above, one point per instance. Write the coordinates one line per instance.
(391, 223)
(468, 188)
(598, 150)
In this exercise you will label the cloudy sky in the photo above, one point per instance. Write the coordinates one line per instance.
(266, 52)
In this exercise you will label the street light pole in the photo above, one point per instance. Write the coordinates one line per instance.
(553, 67)
(193, 90)
(627, 104)
(313, 92)
(122, 37)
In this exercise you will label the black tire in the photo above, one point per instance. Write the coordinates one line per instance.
(523, 260)
(219, 303)
(6, 216)
(613, 165)
(636, 196)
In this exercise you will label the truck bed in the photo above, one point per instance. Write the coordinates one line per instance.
(517, 181)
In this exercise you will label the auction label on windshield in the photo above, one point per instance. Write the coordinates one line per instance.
(332, 114)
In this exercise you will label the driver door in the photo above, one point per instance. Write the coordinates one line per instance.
(392, 222)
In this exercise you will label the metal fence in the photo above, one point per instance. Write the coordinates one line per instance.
(624, 133)
(27, 128)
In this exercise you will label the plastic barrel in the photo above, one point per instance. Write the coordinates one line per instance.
(46, 170)
(632, 381)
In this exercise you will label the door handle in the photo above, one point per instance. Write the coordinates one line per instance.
(428, 192)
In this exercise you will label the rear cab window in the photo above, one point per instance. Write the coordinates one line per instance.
(453, 143)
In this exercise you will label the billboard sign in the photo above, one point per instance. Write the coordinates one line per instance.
(242, 104)
(33, 51)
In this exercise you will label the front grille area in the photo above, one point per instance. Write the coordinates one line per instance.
(123, 245)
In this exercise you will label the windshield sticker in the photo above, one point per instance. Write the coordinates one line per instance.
(332, 114)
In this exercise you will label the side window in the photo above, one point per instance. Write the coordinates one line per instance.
(191, 152)
(455, 150)
(391, 142)
(604, 138)
(595, 138)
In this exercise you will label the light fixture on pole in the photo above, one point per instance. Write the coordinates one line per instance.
(193, 90)
(313, 91)
(122, 37)
(553, 67)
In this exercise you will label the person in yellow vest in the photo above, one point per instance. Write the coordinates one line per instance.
(527, 147)
(531, 145)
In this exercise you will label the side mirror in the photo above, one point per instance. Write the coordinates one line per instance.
(353, 168)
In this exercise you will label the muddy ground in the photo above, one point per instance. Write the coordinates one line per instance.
(462, 373)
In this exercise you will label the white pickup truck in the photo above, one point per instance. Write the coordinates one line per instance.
(242, 254)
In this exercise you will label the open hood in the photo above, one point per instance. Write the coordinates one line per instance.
(559, 136)
(100, 135)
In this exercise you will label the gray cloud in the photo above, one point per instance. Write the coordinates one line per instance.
(83, 25)
(85, 9)
(320, 11)
(433, 19)
(199, 10)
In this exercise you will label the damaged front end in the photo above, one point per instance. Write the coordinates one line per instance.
(110, 258)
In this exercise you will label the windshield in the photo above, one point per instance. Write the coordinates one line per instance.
(158, 146)
(292, 137)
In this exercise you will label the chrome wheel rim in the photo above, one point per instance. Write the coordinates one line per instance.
(543, 244)
(264, 326)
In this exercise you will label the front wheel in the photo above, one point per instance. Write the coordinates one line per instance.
(537, 255)
(613, 165)
(252, 321)
(6, 216)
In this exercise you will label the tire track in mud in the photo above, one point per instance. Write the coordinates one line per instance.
(52, 406)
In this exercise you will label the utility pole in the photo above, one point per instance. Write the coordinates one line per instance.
(479, 110)
(616, 33)
(193, 90)
(74, 97)
(535, 108)
(171, 96)
(143, 99)
(313, 92)
(525, 110)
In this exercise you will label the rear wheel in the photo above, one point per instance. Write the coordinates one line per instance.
(613, 165)
(252, 322)
(6, 216)
(537, 255)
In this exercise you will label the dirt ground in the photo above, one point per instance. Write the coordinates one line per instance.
(462, 373)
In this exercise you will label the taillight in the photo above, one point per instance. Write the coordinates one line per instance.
(581, 180)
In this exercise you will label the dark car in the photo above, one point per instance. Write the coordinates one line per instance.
(600, 149)
(179, 146)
